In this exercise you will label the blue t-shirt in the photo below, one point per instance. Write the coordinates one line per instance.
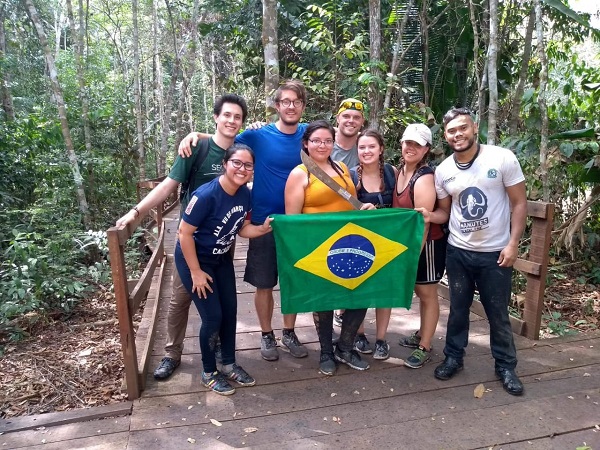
(277, 154)
(218, 216)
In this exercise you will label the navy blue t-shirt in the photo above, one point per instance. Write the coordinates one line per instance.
(218, 217)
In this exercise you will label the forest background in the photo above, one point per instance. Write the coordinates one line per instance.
(97, 94)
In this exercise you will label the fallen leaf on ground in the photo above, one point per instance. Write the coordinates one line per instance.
(479, 390)
(250, 430)
(191, 441)
(215, 422)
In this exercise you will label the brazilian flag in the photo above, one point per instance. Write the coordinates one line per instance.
(346, 260)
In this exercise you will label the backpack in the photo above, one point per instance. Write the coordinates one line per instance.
(198, 159)
(424, 170)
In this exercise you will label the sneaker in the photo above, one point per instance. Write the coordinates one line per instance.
(291, 342)
(268, 347)
(337, 319)
(382, 350)
(327, 364)
(361, 344)
(411, 341)
(217, 383)
(240, 376)
(351, 358)
(166, 368)
(418, 358)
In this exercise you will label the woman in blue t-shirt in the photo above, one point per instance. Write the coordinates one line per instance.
(216, 213)
(374, 180)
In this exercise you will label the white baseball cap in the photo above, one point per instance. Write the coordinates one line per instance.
(419, 133)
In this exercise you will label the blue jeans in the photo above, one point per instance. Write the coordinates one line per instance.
(218, 311)
(466, 271)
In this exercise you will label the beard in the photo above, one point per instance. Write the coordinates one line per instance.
(468, 147)
(289, 122)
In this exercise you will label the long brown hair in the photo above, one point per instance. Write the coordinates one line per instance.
(359, 170)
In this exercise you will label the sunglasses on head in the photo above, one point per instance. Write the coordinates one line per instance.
(352, 105)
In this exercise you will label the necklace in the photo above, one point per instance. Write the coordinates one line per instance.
(465, 166)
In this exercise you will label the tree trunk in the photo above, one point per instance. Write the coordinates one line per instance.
(271, 53)
(400, 26)
(137, 93)
(492, 71)
(474, 25)
(425, 50)
(62, 113)
(7, 101)
(375, 56)
(513, 123)
(541, 48)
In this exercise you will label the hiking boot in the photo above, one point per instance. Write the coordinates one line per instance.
(411, 341)
(510, 381)
(361, 344)
(291, 342)
(166, 368)
(217, 383)
(240, 376)
(327, 364)
(418, 358)
(351, 358)
(382, 350)
(268, 347)
(337, 319)
(448, 368)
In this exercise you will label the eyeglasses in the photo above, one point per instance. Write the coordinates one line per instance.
(352, 105)
(319, 142)
(286, 103)
(237, 164)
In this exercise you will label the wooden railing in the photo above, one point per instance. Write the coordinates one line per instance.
(128, 302)
(535, 268)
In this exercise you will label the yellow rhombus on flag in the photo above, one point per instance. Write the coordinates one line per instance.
(351, 262)
(345, 260)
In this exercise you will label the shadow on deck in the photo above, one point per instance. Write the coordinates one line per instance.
(389, 406)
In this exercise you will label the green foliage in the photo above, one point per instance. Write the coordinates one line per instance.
(556, 326)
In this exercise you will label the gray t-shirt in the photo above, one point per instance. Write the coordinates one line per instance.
(348, 157)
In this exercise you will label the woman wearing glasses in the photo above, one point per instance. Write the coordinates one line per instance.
(305, 194)
(217, 211)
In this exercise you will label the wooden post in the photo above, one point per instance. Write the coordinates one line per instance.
(116, 243)
(543, 219)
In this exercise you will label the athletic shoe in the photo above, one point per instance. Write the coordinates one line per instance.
(361, 344)
(268, 347)
(337, 319)
(411, 341)
(382, 350)
(351, 358)
(240, 376)
(291, 342)
(217, 383)
(166, 368)
(327, 364)
(418, 358)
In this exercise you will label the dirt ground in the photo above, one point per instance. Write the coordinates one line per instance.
(75, 362)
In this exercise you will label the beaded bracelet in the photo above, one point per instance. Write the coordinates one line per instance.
(135, 208)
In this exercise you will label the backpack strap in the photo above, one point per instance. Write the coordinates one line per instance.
(198, 159)
(423, 170)
(389, 177)
(354, 176)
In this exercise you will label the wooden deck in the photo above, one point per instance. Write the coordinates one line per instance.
(388, 406)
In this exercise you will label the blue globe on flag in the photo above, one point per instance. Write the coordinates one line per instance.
(351, 256)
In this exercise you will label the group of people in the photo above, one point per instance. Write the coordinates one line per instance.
(474, 190)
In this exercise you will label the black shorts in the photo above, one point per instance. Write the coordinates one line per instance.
(432, 262)
(261, 262)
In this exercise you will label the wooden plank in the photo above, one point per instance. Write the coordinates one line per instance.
(540, 210)
(588, 438)
(100, 431)
(143, 285)
(526, 266)
(64, 417)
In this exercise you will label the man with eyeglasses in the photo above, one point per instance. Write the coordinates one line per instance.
(230, 112)
(277, 151)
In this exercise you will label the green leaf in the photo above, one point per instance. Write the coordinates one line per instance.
(564, 9)
(566, 148)
(574, 134)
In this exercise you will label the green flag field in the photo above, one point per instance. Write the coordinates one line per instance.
(346, 260)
